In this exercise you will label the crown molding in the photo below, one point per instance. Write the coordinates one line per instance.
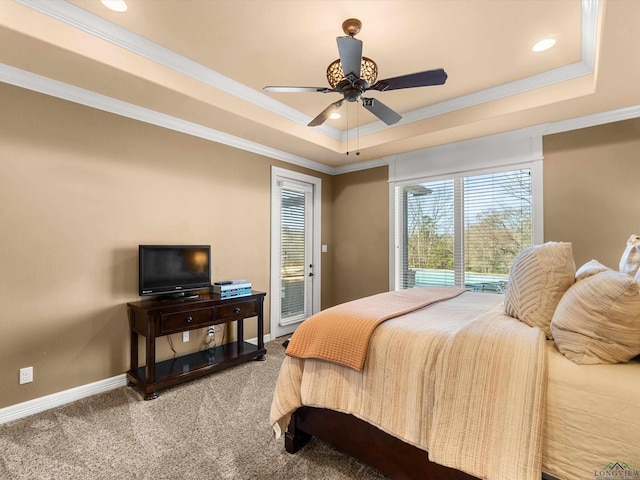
(55, 88)
(588, 39)
(541, 80)
(592, 120)
(96, 26)
(81, 19)
(356, 167)
(576, 123)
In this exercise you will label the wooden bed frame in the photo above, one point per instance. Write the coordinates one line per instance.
(369, 444)
(365, 442)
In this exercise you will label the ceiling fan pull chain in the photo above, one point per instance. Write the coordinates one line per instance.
(357, 131)
(348, 128)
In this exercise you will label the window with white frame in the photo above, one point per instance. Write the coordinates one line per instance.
(462, 230)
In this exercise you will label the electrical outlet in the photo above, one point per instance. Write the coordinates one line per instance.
(26, 375)
(185, 336)
(211, 331)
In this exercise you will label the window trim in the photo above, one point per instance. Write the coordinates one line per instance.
(498, 153)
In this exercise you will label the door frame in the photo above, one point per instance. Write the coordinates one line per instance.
(279, 174)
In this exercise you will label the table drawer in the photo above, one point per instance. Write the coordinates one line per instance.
(178, 322)
(239, 309)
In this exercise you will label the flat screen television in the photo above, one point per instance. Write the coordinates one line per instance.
(173, 269)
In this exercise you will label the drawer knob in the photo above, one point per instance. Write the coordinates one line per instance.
(189, 319)
(236, 310)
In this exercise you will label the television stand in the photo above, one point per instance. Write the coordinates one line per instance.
(159, 317)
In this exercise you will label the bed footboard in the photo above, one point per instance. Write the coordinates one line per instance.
(366, 443)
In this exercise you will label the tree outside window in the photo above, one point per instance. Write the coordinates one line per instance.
(494, 212)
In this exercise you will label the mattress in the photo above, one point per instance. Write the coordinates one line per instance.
(592, 420)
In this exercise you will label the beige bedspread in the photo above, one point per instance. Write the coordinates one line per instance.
(489, 408)
(341, 334)
(464, 384)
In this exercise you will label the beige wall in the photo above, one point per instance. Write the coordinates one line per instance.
(79, 190)
(360, 234)
(590, 181)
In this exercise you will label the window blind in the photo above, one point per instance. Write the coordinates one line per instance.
(292, 253)
(497, 225)
(462, 231)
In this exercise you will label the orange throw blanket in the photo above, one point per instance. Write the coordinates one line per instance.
(341, 334)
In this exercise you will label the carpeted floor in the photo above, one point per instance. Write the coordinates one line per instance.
(214, 428)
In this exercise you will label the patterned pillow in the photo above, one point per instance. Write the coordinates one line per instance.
(539, 276)
(598, 319)
(590, 268)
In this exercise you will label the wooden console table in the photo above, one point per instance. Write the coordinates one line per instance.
(158, 317)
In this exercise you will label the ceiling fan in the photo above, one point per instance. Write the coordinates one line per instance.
(361, 76)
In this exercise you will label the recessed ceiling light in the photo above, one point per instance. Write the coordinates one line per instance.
(543, 45)
(115, 5)
(335, 116)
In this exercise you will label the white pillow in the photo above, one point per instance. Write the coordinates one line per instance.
(590, 268)
(598, 319)
(539, 276)
(630, 260)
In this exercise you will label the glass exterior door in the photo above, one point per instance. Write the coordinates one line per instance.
(295, 249)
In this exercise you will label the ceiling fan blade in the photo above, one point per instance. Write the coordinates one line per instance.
(420, 79)
(350, 55)
(381, 111)
(320, 119)
(297, 89)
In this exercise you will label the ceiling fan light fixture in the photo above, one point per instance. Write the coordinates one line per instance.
(335, 116)
(115, 5)
(368, 72)
(544, 44)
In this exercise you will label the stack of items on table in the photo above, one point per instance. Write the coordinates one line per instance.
(232, 288)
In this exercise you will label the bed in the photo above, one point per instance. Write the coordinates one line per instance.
(445, 393)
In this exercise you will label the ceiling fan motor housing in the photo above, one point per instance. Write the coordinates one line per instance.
(351, 91)
(352, 94)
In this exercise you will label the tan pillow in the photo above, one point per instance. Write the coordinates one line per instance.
(598, 319)
(590, 268)
(539, 276)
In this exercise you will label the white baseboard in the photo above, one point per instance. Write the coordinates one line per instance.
(20, 410)
(254, 340)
